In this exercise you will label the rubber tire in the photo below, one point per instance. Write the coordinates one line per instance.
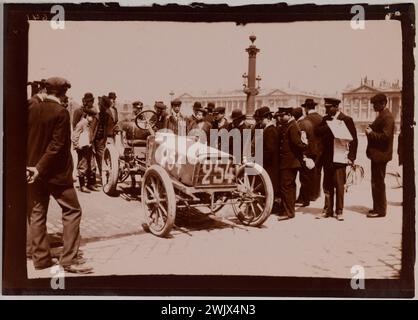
(110, 187)
(268, 187)
(171, 200)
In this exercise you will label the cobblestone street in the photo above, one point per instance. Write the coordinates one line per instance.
(114, 242)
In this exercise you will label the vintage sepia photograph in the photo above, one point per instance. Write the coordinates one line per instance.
(215, 147)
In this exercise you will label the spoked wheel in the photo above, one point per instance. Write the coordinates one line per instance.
(110, 170)
(256, 196)
(158, 201)
(146, 120)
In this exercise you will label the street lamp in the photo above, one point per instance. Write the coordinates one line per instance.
(249, 80)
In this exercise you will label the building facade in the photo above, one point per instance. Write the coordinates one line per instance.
(356, 102)
(236, 99)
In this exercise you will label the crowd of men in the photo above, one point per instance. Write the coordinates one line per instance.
(295, 140)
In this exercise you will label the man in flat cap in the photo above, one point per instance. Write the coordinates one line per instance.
(176, 121)
(49, 172)
(291, 148)
(379, 151)
(335, 172)
(87, 103)
(313, 119)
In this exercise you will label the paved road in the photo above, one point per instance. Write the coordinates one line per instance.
(114, 242)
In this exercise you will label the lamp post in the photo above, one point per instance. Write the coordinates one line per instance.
(250, 88)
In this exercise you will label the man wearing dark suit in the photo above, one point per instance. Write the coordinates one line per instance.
(176, 121)
(264, 117)
(49, 172)
(238, 122)
(314, 146)
(335, 173)
(306, 177)
(291, 150)
(102, 128)
(379, 151)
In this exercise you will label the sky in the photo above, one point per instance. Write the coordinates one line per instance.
(148, 60)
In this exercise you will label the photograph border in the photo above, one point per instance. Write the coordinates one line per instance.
(15, 282)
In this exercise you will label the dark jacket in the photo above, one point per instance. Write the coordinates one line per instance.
(271, 153)
(35, 99)
(380, 140)
(173, 122)
(291, 147)
(328, 139)
(49, 142)
(203, 125)
(315, 147)
(241, 127)
(161, 120)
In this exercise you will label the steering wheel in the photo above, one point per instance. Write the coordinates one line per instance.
(146, 120)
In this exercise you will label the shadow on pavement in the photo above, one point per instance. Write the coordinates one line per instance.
(358, 209)
(194, 220)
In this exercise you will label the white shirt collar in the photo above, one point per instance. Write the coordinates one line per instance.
(337, 114)
(53, 98)
(311, 111)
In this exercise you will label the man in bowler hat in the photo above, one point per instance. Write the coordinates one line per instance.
(379, 151)
(264, 117)
(291, 148)
(335, 173)
(49, 173)
(313, 119)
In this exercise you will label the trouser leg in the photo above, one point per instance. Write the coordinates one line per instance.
(305, 178)
(316, 181)
(379, 187)
(340, 178)
(71, 216)
(288, 190)
(39, 197)
(328, 186)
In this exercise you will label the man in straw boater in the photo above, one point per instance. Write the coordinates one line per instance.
(379, 151)
(339, 138)
(291, 148)
(315, 147)
(49, 173)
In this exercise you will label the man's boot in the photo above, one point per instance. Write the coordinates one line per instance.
(83, 188)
